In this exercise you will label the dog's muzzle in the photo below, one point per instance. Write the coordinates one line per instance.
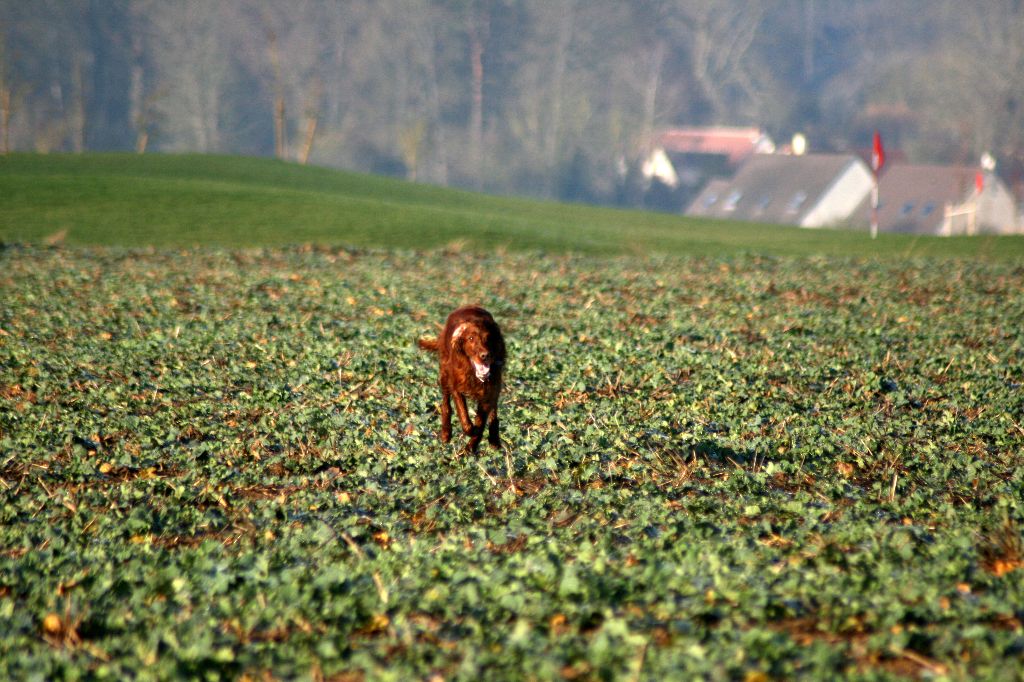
(482, 371)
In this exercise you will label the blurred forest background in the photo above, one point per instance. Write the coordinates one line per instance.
(549, 98)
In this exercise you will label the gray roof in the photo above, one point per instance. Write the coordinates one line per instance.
(913, 198)
(772, 188)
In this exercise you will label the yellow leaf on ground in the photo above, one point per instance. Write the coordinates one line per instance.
(52, 624)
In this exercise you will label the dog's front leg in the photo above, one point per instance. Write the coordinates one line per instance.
(493, 433)
(460, 408)
(477, 431)
(446, 416)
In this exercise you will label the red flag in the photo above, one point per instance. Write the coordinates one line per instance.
(979, 181)
(877, 154)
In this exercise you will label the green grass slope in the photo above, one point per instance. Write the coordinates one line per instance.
(184, 200)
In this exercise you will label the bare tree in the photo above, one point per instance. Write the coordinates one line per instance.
(427, 41)
(565, 20)
(547, 107)
(138, 109)
(76, 113)
(274, 54)
(6, 99)
(720, 37)
(312, 118)
(993, 64)
(191, 43)
(304, 64)
(943, 104)
(809, 38)
(655, 29)
(477, 29)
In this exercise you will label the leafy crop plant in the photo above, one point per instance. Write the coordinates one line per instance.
(221, 464)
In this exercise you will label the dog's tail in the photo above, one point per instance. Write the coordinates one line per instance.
(429, 344)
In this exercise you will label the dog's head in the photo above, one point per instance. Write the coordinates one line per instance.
(482, 345)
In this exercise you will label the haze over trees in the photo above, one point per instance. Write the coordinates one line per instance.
(554, 98)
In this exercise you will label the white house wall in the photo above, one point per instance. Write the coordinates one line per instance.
(839, 202)
(997, 211)
(994, 212)
(659, 166)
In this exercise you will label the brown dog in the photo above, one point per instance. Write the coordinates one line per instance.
(472, 356)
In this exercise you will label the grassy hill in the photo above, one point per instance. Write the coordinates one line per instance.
(185, 200)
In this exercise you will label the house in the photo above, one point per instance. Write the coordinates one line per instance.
(812, 190)
(689, 156)
(941, 200)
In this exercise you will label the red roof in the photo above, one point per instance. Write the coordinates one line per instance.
(735, 143)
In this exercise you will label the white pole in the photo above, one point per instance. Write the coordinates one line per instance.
(874, 209)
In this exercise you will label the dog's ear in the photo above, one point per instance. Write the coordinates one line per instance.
(496, 340)
(458, 336)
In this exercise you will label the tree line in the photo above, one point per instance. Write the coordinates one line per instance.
(551, 98)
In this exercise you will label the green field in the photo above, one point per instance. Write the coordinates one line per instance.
(122, 199)
(221, 462)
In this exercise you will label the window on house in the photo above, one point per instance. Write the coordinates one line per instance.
(732, 200)
(907, 209)
(763, 203)
(796, 202)
(928, 209)
(710, 200)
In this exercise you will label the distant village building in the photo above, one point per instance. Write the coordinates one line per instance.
(812, 190)
(941, 200)
(690, 156)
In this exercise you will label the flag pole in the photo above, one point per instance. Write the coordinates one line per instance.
(874, 207)
(877, 161)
